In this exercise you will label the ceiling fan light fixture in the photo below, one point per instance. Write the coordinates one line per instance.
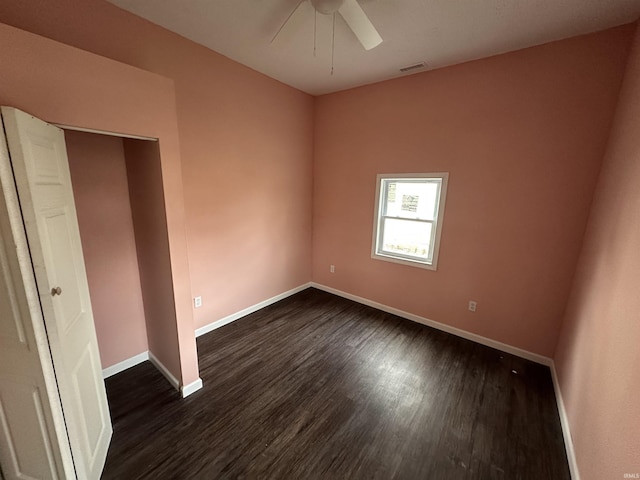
(353, 15)
(327, 7)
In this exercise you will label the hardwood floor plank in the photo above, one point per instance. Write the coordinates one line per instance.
(317, 386)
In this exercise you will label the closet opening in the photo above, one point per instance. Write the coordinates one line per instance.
(119, 197)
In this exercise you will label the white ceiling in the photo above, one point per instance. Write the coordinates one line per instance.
(438, 32)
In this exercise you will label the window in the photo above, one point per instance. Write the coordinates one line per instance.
(408, 218)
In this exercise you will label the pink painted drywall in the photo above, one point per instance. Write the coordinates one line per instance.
(522, 136)
(598, 353)
(144, 173)
(100, 189)
(65, 85)
(246, 147)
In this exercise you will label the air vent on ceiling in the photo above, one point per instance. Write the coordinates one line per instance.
(410, 68)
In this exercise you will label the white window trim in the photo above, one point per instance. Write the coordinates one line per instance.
(377, 213)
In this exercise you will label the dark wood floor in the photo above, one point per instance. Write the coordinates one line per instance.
(317, 386)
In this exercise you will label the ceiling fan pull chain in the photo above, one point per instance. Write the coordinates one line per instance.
(315, 29)
(333, 41)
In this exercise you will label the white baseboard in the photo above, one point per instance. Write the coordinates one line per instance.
(194, 386)
(254, 308)
(564, 421)
(125, 364)
(519, 352)
(185, 390)
(165, 371)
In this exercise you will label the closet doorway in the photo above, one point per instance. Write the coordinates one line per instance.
(118, 191)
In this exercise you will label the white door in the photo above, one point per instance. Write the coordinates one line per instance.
(43, 183)
(33, 438)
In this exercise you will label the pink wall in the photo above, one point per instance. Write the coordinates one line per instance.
(101, 192)
(245, 143)
(522, 136)
(144, 173)
(65, 85)
(598, 353)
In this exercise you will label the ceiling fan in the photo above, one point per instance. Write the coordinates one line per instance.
(353, 15)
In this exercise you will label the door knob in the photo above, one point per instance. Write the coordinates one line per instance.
(56, 291)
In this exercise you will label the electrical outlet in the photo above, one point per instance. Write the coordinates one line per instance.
(197, 302)
(473, 305)
(332, 269)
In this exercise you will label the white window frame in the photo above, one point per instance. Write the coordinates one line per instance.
(377, 252)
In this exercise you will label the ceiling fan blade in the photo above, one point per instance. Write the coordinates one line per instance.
(362, 27)
(292, 23)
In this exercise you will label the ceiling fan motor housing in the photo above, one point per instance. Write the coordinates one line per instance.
(327, 7)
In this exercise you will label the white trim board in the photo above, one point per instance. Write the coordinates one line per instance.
(165, 371)
(518, 352)
(185, 390)
(253, 308)
(194, 386)
(125, 364)
(564, 421)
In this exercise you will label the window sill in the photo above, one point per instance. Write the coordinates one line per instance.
(411, 263)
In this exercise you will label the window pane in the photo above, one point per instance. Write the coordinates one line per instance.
(407, 237)
(411, 199)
